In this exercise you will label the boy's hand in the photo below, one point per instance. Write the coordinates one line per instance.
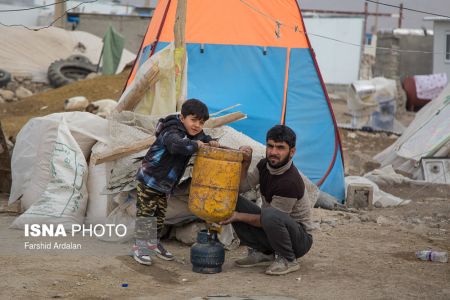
(214, 144)
(247, 153)
(200, 144)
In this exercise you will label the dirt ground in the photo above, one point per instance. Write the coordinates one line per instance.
(362, 255)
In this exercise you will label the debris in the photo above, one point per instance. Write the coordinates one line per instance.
(22, 92)
(7, 95)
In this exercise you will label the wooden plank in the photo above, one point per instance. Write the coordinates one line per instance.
(124, 151)
(226, 119)
(137, 93)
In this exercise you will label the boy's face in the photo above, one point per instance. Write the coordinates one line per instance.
(192, 123)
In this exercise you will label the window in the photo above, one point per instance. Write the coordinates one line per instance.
(447, 47)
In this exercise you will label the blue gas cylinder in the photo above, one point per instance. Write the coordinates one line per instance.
(208, 254)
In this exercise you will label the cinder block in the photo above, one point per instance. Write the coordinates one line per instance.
(359, 195)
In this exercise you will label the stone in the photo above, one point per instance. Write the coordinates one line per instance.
(22, 92)
(187, 234)
(22, 78)
(92, 75)
(381, 220)
(7, 95)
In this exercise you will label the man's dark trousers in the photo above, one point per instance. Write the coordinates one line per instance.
(279, 234)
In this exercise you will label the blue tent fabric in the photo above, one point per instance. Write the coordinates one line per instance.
(218, 76)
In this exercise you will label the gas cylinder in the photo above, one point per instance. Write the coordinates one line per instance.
(215, 183)
(207, 254)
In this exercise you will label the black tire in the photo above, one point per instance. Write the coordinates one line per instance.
(5, 78)
(79, 57)
(62, 72)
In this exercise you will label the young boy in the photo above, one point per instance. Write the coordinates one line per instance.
(177, 138)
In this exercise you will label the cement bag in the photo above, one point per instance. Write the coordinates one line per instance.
(64, 198)
(97, 207)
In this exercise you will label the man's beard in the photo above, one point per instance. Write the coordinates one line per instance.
(279, 164)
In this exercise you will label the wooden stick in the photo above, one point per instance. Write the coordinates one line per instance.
(146, 143)
(223, 120)
(135, 96)
(179, 32)
(225, 109)
(124, 151)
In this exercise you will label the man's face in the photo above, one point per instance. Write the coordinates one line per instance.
(192, 124)
(278, 153)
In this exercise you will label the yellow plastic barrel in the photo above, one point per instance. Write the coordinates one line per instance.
(215, 183)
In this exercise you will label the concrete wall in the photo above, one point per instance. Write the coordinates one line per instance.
(400, 64)
(440, 64)
(132, 28)
(339, 63)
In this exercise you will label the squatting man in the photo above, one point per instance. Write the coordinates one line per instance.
(280, 231)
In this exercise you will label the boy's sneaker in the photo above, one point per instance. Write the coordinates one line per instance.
(254, 258)
(282, 266)
(141, 257)
(160, 251)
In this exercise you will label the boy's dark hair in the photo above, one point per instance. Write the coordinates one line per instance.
(195, 107)
(282, 133)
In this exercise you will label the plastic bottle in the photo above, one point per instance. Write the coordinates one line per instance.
(432, 255)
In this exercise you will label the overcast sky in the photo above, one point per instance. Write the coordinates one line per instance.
(411, 19)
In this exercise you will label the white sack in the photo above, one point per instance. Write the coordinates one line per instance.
(34, 147)
(97, 209)
(63, 177)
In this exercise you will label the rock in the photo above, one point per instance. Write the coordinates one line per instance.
(22, 78)
(12, 85)
(381, 220)
(7, 95)
(330, 221)
(22, 92)
(351, 135)
(378, 204)
(92, 75)
(416, 221)
(188, 233)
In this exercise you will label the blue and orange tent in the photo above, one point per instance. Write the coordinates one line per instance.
(257, 53)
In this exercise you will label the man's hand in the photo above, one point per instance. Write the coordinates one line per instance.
(233, 218)
(200, 144)
(247, 152)
(214, 144)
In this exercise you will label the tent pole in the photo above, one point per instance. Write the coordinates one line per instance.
(180, 49)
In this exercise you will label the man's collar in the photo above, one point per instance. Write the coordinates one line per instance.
(280, 170)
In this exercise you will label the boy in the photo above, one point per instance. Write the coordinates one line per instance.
(177, 138)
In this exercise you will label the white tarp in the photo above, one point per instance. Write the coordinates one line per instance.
(427, 136)
(26, 52)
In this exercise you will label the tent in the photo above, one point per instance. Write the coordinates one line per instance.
(256, 53)
(427, 136)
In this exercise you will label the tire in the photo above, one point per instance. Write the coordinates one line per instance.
(79, 57)
(5, 78)
(62, 72)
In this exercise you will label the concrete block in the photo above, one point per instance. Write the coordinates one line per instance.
(359, 195)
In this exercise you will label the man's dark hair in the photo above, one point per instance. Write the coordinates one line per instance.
(195, 107)
(282, 133)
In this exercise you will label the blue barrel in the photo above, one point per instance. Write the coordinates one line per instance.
(208, 254)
